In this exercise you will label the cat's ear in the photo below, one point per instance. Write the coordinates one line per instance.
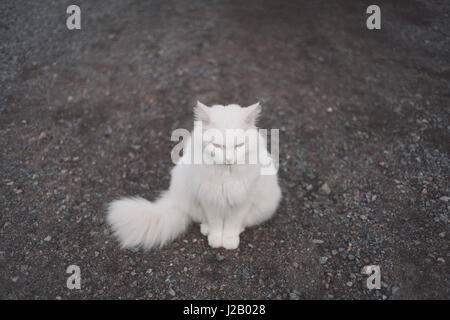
(201, 113)
(252, 113)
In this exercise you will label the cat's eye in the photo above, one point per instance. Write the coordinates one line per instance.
(217, 145)
(239, 145)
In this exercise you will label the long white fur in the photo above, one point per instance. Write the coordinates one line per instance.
(224, 199)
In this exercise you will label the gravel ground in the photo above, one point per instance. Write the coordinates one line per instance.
(86, 116)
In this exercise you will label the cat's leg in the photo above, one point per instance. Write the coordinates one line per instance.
(198, 216)
(215, 233)
(202, 220)
(233, 226)
(213, 227)
(204, 229)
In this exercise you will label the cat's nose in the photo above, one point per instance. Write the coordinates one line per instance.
(229, 160)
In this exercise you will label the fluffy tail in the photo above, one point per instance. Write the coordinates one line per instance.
(137, 222)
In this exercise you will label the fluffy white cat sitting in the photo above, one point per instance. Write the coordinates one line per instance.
(222, 194)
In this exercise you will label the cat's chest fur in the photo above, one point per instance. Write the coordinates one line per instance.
(223, 192)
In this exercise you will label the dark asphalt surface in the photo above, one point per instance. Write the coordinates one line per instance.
(86, 116)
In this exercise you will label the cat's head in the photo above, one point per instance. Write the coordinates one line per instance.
(229, 132)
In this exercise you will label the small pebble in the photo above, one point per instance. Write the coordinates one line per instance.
(219, 257)
(325, 189)
(293, 296)
(323, 260)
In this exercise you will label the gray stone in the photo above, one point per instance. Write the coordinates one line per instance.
(323, 260)
(325, 189)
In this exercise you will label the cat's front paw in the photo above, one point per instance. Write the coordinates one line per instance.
(230, 242)
(204, 229)
(215, 240)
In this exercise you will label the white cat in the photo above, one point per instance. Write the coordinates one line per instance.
(225, 197)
